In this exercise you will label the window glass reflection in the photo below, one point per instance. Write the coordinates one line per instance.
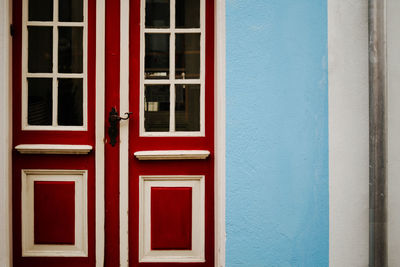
(157, 56)
(157, 14)
(40, 101)
(187, 107)
(156, 109)
(187, 56)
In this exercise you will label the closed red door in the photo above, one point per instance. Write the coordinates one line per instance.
(171, 138)
(156, 162)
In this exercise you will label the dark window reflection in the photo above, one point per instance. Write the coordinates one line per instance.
(70, 49)
(40, 104)
(40, 10)
(187, 108)
(70, 102)
(188, 13)
(157, 14)
(156, 109)
(40, 49)
(156, 64)
(70, 10)
(187, 56)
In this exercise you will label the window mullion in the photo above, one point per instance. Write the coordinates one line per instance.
(172, 67)
(55, 62)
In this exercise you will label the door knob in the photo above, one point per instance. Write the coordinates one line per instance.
(113, 119)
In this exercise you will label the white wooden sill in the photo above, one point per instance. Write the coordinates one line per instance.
(172, 154)
(53, 149)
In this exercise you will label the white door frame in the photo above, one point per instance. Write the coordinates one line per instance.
(5, 133)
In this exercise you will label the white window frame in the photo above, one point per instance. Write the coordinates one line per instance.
(80, 246)
(172, 81)
(54, 74)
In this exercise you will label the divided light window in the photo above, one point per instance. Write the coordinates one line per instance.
(172, 68)
(54, 65)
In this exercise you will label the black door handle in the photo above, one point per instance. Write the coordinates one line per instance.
(113, 119)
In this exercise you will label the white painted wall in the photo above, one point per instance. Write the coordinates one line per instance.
(5, 134)
(348, 132)
(393, 61)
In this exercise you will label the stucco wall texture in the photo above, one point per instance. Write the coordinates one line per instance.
(277, 211)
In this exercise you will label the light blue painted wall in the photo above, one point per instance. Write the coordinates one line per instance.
(277, 133)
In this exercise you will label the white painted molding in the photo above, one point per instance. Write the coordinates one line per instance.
(172, 154)
(29, 248)
(219, 125)
(5, 134)
(100, 115)
(53, 149)
(124, 136)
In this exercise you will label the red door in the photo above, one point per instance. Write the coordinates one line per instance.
(171, 139)
(158, 165)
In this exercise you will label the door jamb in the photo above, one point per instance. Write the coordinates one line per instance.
(5, 132)
(220, 136)
(99, 131)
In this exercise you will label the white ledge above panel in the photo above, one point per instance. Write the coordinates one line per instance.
(53, 149)
(172, 154)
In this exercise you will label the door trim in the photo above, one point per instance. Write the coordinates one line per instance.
(5, 132)
(100, 126)
(220, 125)
(124, 136)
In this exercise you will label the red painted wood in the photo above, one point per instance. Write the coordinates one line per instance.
(80, 162)
(171, 218)
(54, 212)
(185, 167)
(112, 79)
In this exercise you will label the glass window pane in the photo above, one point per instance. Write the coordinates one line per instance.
(157, 56)
(70, 10)
(187, 13)
(40, 102)
(156, 109)
(157, 14)
(187, 108)
(40, 49)
(40, 10)
(187, 56)
(70, 102)
(70, 49)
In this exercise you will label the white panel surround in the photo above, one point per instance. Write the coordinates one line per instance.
(53, 149)
(80, 248)
(196, 254)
